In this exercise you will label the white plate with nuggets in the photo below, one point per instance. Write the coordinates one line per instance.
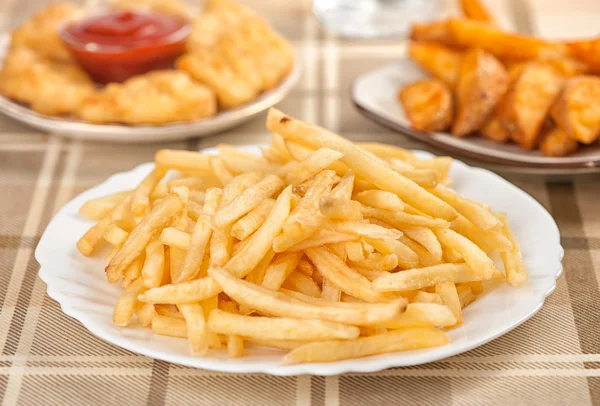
(79, 284)
(375, 94)
(77, 129)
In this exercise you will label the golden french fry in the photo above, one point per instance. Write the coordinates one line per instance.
(279, 328)
(465, 295)
(133, 271)
(314, 163)
(362, 229)
(176, 238)
(279, 344)
(491, 240)
(420, 278)
(220, 170)
(280, 269)
(96, 209)
(192, 163)
(343, 190)
(361, 162)
(278, 304)
(235, 346)
(425, 177)
(140, 197)
(426, 238)
(248, 224)
(380, 199)
(339, 208)
(354, 251)
(125, 307)
(402, 340)
(89, 241)
(257, 275)
(262, 240)
(397, 219)
(145, 313)
(305, 267)
(472, 254)
(370, 274)
(141, 235)
(330, 292)
(168, 311)
(197, 332)
(340, 275)
(323, 237)
(115, 235)
(247, 201)
(407, 257)
(513, 259)
(182, 293)
(169, 326)
(382, 262)
(447, 291)
(422, 315)
(239, 161)
(302, 283)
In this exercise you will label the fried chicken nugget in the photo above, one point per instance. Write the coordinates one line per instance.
(51, 87)
(158, 97)
(41, 32)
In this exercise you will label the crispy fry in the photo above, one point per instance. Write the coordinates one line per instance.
(280, 269)
(422, 315)
(248, 224)
(475, 10)
(323, 237)
(465, 295)
(427, 104)
(414, 279)
(302, 283)
(311, 165)
(383, 262)
(197, 332)
(115, 235)
(169, 326)
(558, 143)
(96, 209)
(447, 291)
(339, 208)
(328, 351)
(427, 178)
(220, 170)
(427, 297)
(513, 259)
(127, 303)
(407, 258)
(398, 219)
(193, 163)
(182, 293)
(488, 241)
(279, 328)
(473, 255)
(380, 200)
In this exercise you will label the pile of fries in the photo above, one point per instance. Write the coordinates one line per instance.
(504, 86)
(322, 247)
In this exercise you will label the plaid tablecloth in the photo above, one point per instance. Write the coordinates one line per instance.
(50, 359)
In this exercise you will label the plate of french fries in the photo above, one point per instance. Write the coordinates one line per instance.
(472, 88)
(312, 255)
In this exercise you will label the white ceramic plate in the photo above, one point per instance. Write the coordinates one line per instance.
(79, 284)
(78, 129)
(375, 95)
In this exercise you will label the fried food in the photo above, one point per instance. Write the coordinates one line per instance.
(302, 262)
(528, 101)
(427, 104)
(174, 8)
(440, 61)
(154, 98)
(494, 130)
(41, 32)
(50, 86)
(558, 143)
(482, 81)
(474, 10)
(577, 109)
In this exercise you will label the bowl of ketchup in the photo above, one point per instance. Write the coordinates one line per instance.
(113, 47)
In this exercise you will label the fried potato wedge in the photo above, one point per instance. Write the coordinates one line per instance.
(577, 109)
(474, 10)
(528, 101)
(482, 81)
(558, 143)
(440, 61)
(436, 31)
(493, 130)
(427, 104)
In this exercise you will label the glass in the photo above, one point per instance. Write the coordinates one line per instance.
(373, 18)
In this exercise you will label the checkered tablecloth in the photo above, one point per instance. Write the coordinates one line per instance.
(48, 358)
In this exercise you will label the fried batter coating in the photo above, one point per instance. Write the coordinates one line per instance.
(41, 32)
(51, 87)
(173, 8)
(158, 97)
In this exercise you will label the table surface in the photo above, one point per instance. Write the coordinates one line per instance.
(50, 359)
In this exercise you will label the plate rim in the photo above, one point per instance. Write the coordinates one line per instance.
(82, 130)
(317, 369)
(589, 165)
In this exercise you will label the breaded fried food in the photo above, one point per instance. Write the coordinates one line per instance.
(427, 104)
(577, 109)
(173, 8)
(482, 81)
(51, 87)
(246, 61)
(41, 32)
(529, 99)
(153, 98)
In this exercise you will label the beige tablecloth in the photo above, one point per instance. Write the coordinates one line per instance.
(48, 358)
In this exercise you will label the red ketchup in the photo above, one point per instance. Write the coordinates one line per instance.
(116, 46)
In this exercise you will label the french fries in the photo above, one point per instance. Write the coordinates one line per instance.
(324, 249)
(427, 104)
